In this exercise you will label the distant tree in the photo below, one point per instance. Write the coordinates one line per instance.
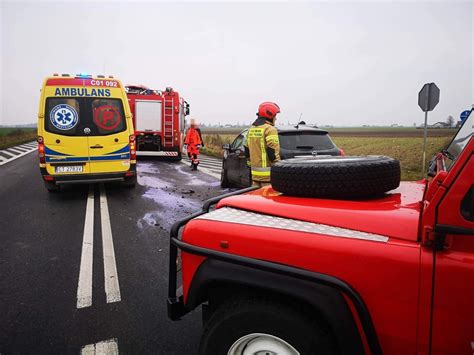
(450, 121)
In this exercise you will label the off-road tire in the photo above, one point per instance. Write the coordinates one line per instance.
(224, 180)
(242, 316)
(336, 177)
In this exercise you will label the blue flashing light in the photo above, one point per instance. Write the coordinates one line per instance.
(84, 75)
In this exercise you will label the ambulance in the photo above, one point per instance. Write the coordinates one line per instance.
(85, 131)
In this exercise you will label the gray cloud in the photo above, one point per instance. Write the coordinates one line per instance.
(337, 63)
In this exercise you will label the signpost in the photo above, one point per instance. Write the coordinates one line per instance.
(464, 115)
(428, 98)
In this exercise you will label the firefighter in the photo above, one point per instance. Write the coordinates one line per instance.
(262, 146)
(193, 142)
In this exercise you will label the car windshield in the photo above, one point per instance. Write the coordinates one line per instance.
(72, 116)
(305, 141)
(459, 141)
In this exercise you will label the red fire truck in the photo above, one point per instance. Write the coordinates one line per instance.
(159, 120)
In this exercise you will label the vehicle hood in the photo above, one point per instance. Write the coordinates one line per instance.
(394, 215)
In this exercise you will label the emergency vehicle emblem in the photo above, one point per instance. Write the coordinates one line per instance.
(107, 117)
(64, 117)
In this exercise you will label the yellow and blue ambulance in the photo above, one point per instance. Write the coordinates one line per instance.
(85, 131)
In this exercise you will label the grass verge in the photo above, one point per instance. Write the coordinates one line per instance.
(10, 137)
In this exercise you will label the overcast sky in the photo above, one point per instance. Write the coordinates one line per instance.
(336, 63)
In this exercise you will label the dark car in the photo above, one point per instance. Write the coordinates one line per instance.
(295, 141)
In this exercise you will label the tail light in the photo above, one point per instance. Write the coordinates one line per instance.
(133, 152)
(341, 152)
(41, 154)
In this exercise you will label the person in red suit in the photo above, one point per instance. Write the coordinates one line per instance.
(193, 142)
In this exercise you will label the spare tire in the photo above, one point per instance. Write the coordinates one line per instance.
(336, 177)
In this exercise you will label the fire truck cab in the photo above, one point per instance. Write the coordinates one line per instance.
(159, 120)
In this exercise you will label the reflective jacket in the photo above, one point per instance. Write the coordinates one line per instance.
(262, 147)
(193, 137)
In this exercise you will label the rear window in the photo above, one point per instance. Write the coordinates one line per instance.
(84, 116)
(305, 141)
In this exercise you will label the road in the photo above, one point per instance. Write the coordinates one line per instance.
(85, 270)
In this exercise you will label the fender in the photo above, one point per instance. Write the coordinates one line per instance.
(327, 301)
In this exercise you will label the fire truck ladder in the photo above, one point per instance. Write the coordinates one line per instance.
(168, 122)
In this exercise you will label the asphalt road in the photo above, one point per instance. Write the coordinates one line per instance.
(45, 248)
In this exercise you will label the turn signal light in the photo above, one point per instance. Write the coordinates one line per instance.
(133, 152)
(41, 154)
(341, 152)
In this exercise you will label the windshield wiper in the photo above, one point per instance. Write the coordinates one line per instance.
(304, 147)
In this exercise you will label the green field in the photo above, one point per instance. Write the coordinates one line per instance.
(408, 150)
(11, 136)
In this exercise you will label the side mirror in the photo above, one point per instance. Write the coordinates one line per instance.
(186, 109)
(226, 147)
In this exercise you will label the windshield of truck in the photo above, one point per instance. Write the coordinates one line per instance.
(72, 116)
(459, 141)
(302, 140)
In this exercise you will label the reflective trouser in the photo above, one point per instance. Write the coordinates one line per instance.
(260, 174)
(193, 154)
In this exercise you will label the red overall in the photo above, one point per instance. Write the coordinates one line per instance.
(193, 140)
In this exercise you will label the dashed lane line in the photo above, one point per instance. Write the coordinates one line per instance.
(84, 287)
(112, 288)
(106, 347)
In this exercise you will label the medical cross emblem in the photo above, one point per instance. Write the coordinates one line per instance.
(64, 117)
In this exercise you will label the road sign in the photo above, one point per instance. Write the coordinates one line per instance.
(464, 115)
(428, 97)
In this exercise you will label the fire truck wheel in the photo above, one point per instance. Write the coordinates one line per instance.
(336, 177)
(263, 327)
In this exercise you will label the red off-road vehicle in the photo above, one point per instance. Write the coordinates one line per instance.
(391, 272)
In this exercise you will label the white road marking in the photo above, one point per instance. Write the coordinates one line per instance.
(8, 153)
(84, 286)
(13, 155)
(14, 150)
(203, 169)
(22, 148)
(112, 288)
(106, 347)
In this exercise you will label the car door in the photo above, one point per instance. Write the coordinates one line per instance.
(233, 159)
(244, 169)
(66, 144)
(453, 311)
(109, 148)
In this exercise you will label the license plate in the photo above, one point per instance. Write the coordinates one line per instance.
(69, 169)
